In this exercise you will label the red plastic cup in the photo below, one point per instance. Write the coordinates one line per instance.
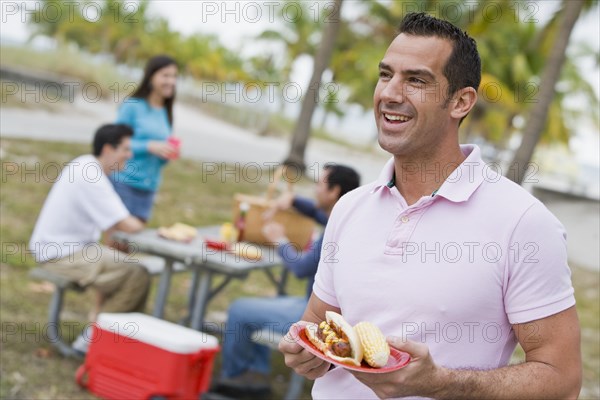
(175, 142)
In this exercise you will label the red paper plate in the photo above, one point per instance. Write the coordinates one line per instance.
(216, 244)
(398, 359)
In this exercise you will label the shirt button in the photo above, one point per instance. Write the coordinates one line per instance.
(404, 219)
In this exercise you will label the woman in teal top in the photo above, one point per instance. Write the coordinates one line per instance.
(149, 112)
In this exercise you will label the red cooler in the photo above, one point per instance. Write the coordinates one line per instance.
(136, 356)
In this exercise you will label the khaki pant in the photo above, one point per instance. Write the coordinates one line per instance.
(123, 283)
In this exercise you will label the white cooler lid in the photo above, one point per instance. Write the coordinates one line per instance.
(156, 332)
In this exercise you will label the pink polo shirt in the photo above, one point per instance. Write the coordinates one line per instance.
(453, 270)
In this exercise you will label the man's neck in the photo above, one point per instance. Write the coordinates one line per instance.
(416, 177)
(326, 210)
(106, 167)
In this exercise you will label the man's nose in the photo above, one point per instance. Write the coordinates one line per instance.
(393, 92)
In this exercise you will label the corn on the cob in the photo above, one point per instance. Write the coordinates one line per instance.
(376, 351)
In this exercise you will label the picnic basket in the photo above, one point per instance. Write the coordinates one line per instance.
(298, 228)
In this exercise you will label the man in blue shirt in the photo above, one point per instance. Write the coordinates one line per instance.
(246, 365)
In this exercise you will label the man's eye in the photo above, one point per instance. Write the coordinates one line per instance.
(416, 80)
(384, 74)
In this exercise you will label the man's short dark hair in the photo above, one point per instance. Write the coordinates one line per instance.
(111, 134)
(463, 68)
(344, 177)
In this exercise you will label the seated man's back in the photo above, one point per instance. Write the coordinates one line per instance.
(81, 204)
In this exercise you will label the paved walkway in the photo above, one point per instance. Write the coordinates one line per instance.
(581, 219)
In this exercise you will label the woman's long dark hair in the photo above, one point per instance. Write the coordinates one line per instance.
(143, 91)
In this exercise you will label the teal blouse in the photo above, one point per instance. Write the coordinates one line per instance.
(143, 170)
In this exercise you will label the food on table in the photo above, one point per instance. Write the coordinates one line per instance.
(247, 251)
(179, 232)
(228, 233)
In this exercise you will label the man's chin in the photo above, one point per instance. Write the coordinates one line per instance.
(390, 145)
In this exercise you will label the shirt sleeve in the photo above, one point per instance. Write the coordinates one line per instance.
(303, 265)
(309, 208)
(538, 277)
(324, 287)
(100, 201)
(126, 115)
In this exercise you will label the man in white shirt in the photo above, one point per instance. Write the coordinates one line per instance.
(80, 206)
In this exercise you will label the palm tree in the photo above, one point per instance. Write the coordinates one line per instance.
(513, 54)
(301, 132)
(538, 115)
(297, 37)
(331, 103)
(51, 27)
(128, 35)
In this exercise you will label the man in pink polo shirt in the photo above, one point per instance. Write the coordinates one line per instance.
(452, 261)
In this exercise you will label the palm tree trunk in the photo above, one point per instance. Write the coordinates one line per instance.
(301, 133)
(324, 119)
(538, 117)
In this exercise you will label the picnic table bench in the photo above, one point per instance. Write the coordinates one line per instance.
(62, 284)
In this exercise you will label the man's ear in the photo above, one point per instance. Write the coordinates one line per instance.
(335, 192)
(464, 100)
(107, 148)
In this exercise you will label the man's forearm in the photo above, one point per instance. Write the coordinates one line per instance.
(528, 380)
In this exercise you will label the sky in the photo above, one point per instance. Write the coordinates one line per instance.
(236, 23)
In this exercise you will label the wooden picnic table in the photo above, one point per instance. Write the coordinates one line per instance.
(205, 264)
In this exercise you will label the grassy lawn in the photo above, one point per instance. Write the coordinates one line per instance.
(68, 62)
(30, 368)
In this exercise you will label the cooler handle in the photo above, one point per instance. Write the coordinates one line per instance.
(203, 354)
(199, 358)
(80, 375)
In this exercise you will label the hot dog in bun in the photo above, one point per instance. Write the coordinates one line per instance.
(338, 340)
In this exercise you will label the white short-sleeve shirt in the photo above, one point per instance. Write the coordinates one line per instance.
(81, 204)
(454, 270)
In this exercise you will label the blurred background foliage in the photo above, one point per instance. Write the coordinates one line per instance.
(513, 44)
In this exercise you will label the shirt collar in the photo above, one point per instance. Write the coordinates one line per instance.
(467, 177)
(461, 183)
(386, 176)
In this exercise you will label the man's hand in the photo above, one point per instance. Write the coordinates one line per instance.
(421, 377)
(283, 202)
(274, 232)
(552, 369)
(299, 359)
(130, 224)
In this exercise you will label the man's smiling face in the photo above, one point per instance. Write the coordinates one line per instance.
(411, 94)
